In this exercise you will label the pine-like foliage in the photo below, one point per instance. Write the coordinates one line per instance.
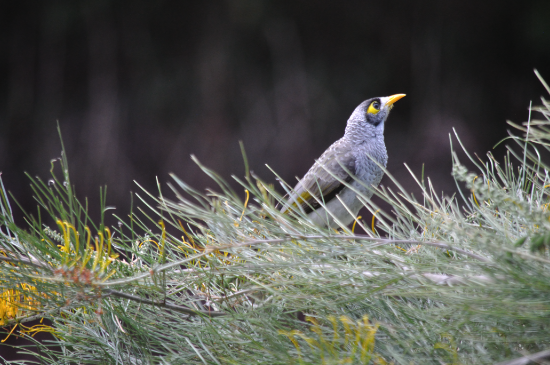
(206, 278)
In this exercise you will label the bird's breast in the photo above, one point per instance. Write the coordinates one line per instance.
(368, 163)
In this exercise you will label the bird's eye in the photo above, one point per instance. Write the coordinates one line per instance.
(374, 107)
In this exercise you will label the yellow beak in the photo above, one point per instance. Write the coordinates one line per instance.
(394, 98)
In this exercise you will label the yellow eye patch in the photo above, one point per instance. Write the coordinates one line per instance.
(374, 107)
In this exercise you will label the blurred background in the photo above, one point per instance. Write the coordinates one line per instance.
(138, 86)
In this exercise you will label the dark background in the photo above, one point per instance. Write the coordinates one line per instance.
(138, 86)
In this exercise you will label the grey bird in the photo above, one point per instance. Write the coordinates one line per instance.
(352, 160)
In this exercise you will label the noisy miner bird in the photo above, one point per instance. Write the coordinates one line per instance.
(351, 159)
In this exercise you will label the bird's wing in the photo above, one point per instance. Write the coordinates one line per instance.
(320, 183)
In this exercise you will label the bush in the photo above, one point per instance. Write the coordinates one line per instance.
(209, 278)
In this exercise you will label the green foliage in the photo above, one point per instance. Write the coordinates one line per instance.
(208, 278)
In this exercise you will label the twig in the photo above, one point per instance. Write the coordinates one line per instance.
(445, 246)
(24, 260)
(177, 308)
(527, 359)
(210, 249)
(442, 279)
(525, 254)
(278, 240)
(218, 297)
(39, 315)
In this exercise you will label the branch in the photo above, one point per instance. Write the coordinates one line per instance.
(222, 297)
(527, 359)
(524, 254)
(209, 249)
(177, 308)
(24, 260)
(39, 315)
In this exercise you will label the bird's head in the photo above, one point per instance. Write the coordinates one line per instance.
(371, 114)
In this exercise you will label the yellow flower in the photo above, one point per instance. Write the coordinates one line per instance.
(357, 343)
